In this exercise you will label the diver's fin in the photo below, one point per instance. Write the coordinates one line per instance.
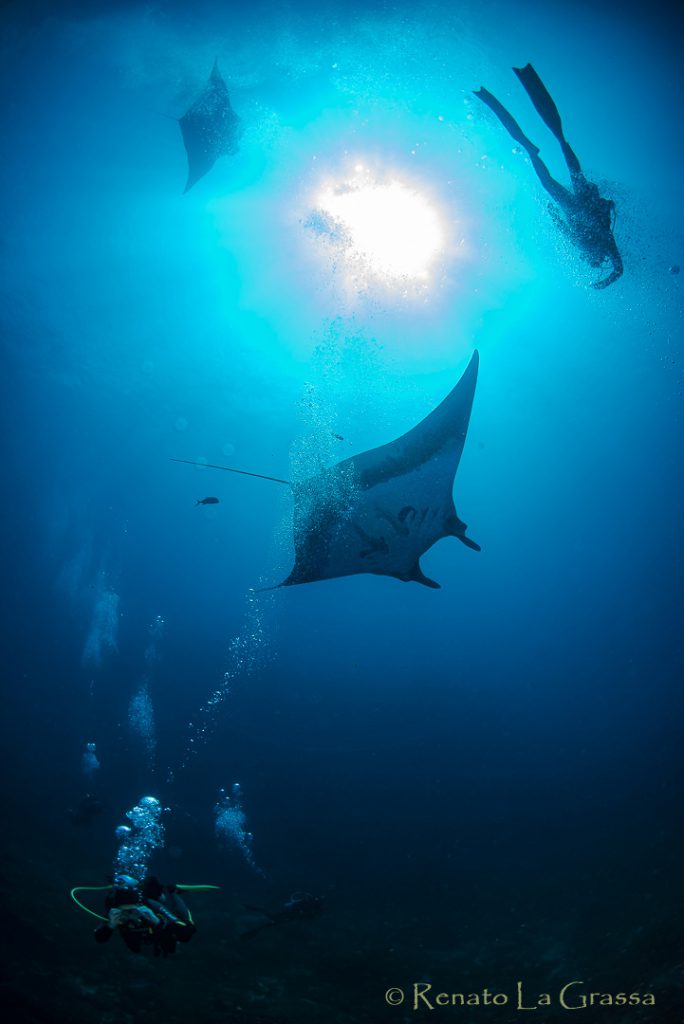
(251, 932)
(507, 120)
(418, 576)
(541, 98)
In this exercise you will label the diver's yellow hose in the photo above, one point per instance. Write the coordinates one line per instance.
(197, 888)
(101, 888)
(91, 888)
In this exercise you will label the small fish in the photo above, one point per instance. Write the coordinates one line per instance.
(338, 436)
(206, 501)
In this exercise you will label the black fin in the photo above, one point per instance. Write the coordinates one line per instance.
(507, 120)
(541, 98)
(418, 576)
(470, 543)
(455, 527)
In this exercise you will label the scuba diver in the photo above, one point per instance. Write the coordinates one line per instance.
(146, 914)
(589, 219)
(301, 906)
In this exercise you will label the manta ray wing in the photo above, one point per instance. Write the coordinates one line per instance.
(379, 511)
(210, 128)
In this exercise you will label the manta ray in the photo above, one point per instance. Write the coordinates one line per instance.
(210, 128)
(378, 512)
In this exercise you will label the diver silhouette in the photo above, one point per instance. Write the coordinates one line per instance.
(589, 219)
(301, 906)
(145, 914)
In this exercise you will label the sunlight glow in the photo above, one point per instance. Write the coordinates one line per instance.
(387, 225)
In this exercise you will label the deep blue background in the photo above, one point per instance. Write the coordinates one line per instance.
(457, 770)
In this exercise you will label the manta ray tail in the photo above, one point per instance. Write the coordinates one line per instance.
(230, 469)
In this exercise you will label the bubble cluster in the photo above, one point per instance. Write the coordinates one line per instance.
(156, 635)
(231, 823)
(74, 574)
(141, 718)
(140, 838)
(330, 494)
(245, 654)
(345, 373)
(104, 630)
(383, 227)
(89, 761)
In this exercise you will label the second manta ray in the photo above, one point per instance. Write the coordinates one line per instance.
(210, 128)
(380, 511)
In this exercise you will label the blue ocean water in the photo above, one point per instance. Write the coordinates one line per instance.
(484, 782)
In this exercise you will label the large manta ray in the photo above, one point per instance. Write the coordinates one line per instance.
(379, 511)
(210, 128)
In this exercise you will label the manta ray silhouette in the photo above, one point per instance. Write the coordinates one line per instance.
(210, 128)
(379, 511)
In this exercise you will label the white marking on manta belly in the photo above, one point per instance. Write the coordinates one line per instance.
(386, 543)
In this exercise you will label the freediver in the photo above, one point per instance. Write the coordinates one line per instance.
(301, 906)
(589, 218)
(146, 914)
